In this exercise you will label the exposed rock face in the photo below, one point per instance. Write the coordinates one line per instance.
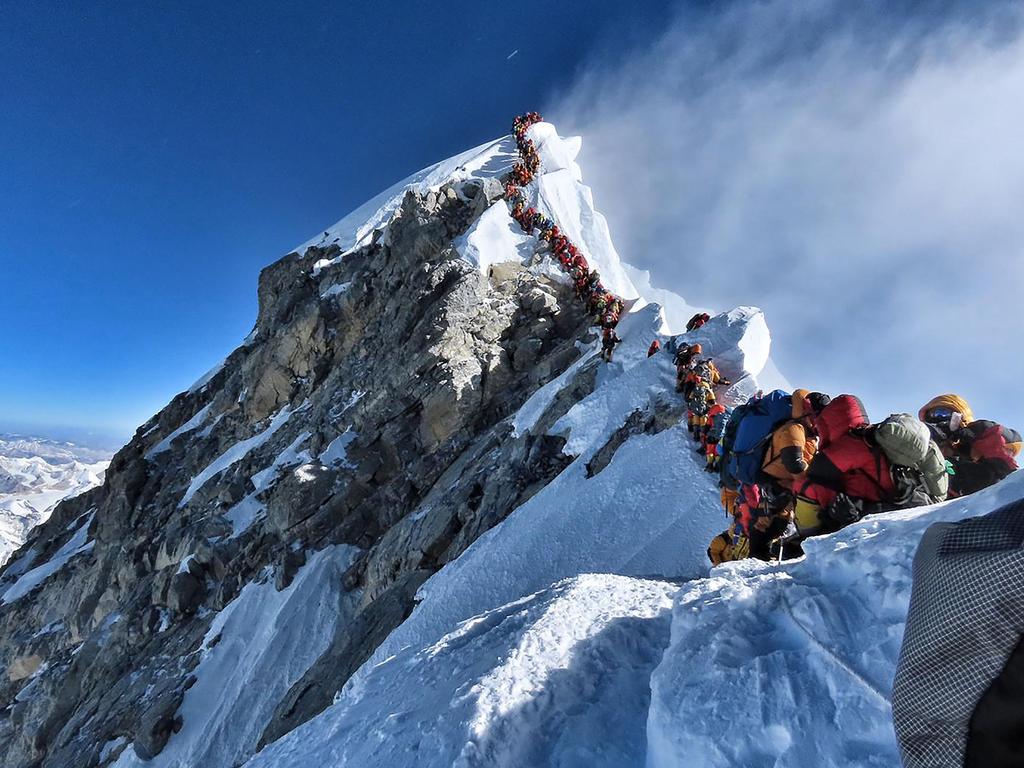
(368, 408)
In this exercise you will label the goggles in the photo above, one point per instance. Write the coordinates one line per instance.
(939, 414)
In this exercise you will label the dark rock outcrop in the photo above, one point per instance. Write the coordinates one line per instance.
(369, 407)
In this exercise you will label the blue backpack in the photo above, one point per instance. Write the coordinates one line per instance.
(760, 418)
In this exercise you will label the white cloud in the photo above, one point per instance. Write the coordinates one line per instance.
(858, 175)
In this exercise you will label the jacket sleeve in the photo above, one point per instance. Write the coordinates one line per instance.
(792, 442)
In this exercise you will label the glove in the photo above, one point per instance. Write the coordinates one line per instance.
(843, 510)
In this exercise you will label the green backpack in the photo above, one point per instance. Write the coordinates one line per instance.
(907, 442)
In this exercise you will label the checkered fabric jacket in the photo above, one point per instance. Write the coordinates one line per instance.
(958, 697)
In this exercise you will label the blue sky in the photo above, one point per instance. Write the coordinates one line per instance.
(854, 169)
(156, 155)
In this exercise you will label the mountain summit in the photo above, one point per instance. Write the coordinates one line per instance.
(364, 538)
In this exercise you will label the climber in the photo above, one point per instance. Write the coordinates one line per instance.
(707, 370)
(654, 348)
(794, 442)
(700, 399)
(697, 321)
(788, 453)
(986, 452)
(849, 476)
(684, 361)
(686, 354)
(945, 415)
(718, 417)
(730, 544)
(608, 343)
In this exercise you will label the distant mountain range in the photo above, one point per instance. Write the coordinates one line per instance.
(35, 474)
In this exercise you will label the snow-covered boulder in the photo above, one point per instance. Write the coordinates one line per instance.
(738, 341)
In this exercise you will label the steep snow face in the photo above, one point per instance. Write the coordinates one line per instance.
(793, 665)
(256, 648)
(650, 511)
(36, 474)
(555, 678)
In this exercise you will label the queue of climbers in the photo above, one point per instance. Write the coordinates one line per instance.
(604, 305)
(799, 464)
(790, 465)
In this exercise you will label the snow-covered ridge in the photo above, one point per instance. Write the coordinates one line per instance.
(495, 238)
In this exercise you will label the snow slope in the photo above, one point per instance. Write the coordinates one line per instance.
(793, 665)
(559, 678)
(492, 159)
(584, 630)
(35, 474)
(555, 678)
(257, 647)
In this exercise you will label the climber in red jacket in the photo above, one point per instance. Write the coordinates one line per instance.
(654, 348)
(848, 477)
(985, 453)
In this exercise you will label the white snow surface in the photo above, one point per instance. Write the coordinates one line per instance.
(557, 190)
(770, 655)
(35, 475)
(192, 424)
(495, 238)
(556, 678)
(336, 453)
(289, 457)
(257, 647)
(492, 159)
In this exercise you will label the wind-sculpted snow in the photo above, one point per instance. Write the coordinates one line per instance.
(793, 665)
(555, 678)
(495, 238)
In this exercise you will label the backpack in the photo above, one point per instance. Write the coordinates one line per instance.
(907, 443)
(701, 398)
(725, 478)
(717, 431)
(753, 431)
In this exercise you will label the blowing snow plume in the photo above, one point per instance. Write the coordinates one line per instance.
(857, 166)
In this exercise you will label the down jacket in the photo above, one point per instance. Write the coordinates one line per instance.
(791, 448)
(845, 461)
(985, 454)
